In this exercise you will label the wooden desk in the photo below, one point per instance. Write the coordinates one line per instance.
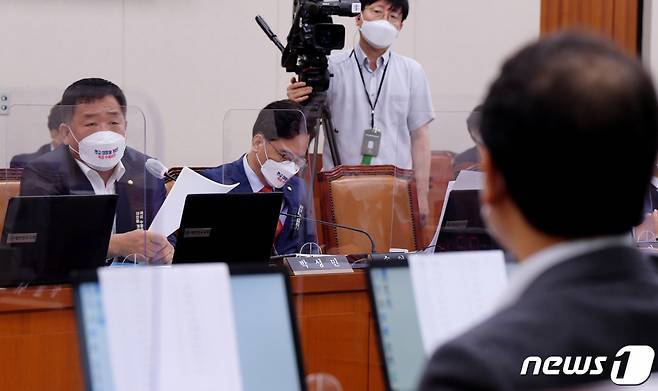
(337, 329)
(39, 342)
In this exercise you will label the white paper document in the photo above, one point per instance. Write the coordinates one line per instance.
(454, 291)
(167, 220)
(171, 328)
(469, 180)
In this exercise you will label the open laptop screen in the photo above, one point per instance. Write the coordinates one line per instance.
(267, 339)
(398, 328)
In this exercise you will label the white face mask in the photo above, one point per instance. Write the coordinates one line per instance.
(277, 174)
(379, 33)
(101, 150)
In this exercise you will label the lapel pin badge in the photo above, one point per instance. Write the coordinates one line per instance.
(130, 181)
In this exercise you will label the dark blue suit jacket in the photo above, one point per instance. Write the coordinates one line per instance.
(590, 305)
(296, 232)
(140, 194)
(21, 160)
(651, 199)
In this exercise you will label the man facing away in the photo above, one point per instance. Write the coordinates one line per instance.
(568, 143)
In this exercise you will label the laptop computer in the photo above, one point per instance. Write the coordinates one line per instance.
(462, 227)
(46, 237)
(398, 331)
(232, 227)
(268, 341)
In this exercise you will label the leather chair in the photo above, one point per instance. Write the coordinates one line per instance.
(378, 199)
(10, 185)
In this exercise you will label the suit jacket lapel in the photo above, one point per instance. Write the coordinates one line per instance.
(76, 179)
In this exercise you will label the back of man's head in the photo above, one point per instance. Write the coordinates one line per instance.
(571, 124)
(280, 119)
(87, 91)
(55, 117)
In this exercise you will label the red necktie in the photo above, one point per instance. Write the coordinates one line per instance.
(279, 226)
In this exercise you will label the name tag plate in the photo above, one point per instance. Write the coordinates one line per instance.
(321, 264)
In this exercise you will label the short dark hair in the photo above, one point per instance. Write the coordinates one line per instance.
(397, 5)
(473, 123)
(281, 119)
(571, 123)
(87, 91)
(55, 117)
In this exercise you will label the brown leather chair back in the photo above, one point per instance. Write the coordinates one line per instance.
(10, 186)
(378, 199)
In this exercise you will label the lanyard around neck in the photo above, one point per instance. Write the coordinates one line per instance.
(379, 90)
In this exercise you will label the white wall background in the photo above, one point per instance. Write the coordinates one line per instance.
(187, 63)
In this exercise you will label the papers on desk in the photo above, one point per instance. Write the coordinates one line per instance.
(454, 291)
(171, 328)
(167, 220)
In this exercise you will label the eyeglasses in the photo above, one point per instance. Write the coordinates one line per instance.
(291, 157)
(378, 13)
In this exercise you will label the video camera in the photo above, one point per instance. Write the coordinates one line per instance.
(312, 37)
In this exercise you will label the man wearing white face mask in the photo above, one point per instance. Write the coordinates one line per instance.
(97, 161)
(278, 149)
(379, 94)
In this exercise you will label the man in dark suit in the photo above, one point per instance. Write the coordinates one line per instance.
(278, 149)
(57, 136)
(470, 158)
(565, 116)
(96, 160)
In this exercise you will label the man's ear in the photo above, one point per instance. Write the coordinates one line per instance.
(358, 20)
(257, 141)
(494, 190)
(66, 131)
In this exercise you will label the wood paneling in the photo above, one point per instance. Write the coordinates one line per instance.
(38, 340)
(337, 329)
(615, 19)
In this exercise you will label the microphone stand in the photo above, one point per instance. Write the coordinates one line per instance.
(372, 242)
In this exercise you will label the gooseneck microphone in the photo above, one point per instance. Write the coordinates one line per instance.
(296, 216)
(157, 169)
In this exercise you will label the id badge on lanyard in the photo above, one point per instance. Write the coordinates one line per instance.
(372, 137)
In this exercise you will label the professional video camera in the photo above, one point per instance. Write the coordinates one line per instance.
(312, 37)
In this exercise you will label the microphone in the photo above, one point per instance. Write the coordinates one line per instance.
(299, 216)
(157, 169)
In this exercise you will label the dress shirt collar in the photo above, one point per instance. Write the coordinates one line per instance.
(537, 264)
(254, 181)
(654, 182)
(363, 60)
(97, 183)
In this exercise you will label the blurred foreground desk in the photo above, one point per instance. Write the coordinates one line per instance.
(337, 329)
(38, 340)
(39, 345)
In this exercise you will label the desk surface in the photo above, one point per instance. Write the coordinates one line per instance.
(39, 341)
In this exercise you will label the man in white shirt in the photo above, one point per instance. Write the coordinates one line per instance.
(566, 116)
(96, 160)
(374, 88)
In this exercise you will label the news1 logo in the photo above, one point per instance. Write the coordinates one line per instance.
(631, 365)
